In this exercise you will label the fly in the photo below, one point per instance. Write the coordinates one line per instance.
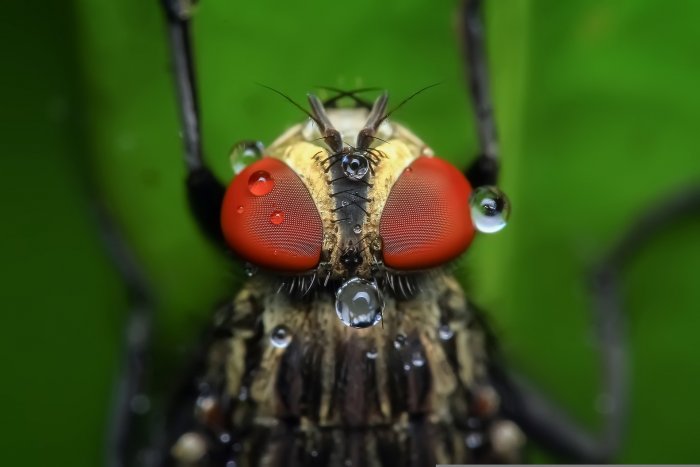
(351, 343)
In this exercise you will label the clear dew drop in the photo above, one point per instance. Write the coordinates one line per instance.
(399, 341)
(358, 303)
(280, 337)
(357, 229)
(417, 359)
(260, 183)
(355, 165)
(445, 332)
(240, 209)
(490, 209)
(245, 153)
(277, 217)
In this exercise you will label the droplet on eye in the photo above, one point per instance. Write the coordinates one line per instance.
(359, 303)
(355, 166)
(277, 217)
(245, 153)
(490, 209)
(260, 183)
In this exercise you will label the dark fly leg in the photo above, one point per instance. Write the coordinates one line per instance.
(484, 170)
(127, 422)
(547, 424)
(205, 193)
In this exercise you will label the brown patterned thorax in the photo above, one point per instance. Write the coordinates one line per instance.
(292, 385)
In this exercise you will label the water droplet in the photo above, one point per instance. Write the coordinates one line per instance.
(277, 217)
(240, 209)
(408, 169)
(225, 438)
(355, 165)
(372, 353)
(359, 303)
(406, 367)
(243, 393)
(417, 359)
(231, 463)
(250, 269)
(357, 229)
(376, 243)
(445, 332)
(314, 453)
(489, 209)
(345, 202)
(280, 337)
(399, 341)
(260, 183)
(245, 153)
(474, 440)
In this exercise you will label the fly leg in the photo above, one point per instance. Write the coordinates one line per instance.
(205, 192)
(547, 424)
(484, 170)
(130, 405)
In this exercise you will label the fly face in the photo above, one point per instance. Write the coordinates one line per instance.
(353, 202)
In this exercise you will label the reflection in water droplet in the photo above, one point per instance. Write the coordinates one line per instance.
(225, 438)
(245, 153)
(417, 359)
(345, 202)
(406, 367)
(372, 353)
(280, 337)
(240, 209)
(399, 341)
(445, 332)
(277, 217)
(489, 209)
(357, 229)
(359, 303)
(355, 165)
(260, 183)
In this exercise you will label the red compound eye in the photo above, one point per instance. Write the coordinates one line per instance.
(426, 219)
(269, 218)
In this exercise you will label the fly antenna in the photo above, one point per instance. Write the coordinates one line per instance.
(375, 118)
(292, 101)
(331, 136)
(400, 104)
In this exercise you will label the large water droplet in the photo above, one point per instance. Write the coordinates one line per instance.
(359, 303)
(489, 209)
(280, 337)
(355, 165)
(245, 153)
(260, 183)
(277, 217)
(357, 229)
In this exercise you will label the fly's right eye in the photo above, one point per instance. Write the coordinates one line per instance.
(426, 220)
(269, 218)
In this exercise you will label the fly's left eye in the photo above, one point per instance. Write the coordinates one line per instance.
(269, 218)
(426, 220)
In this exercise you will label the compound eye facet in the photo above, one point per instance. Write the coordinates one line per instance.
(269, 218)
(426, 219)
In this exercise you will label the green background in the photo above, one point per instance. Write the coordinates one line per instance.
(597, 104)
